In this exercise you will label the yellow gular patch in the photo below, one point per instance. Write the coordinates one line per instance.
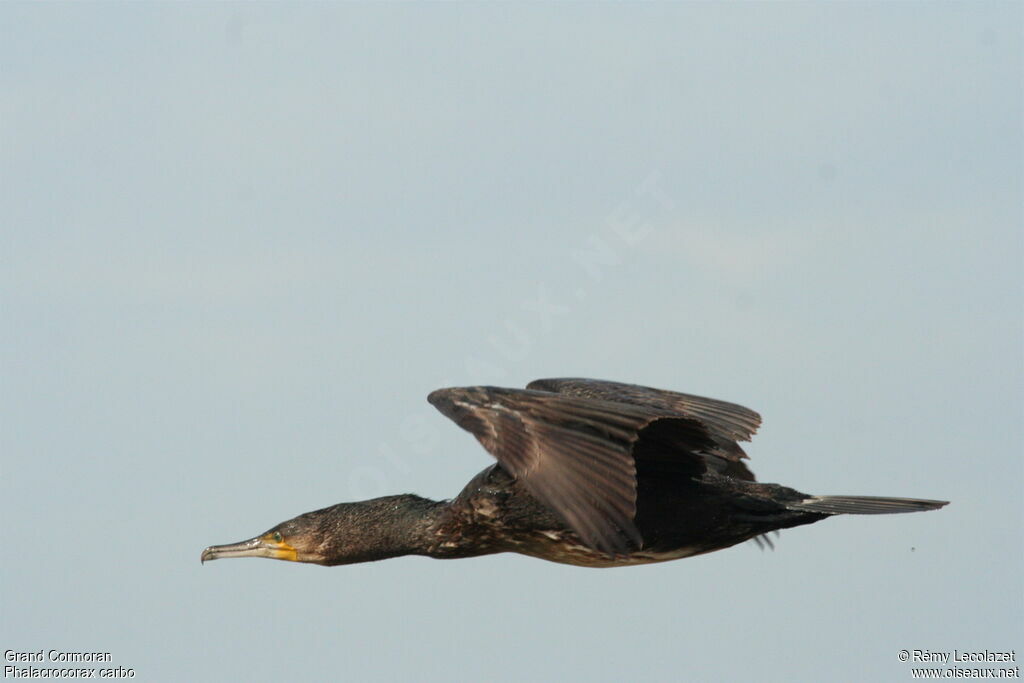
(279, 550)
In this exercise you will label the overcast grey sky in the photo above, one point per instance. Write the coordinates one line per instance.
(241, 243)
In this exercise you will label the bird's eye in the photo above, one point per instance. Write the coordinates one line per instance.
(277, 537)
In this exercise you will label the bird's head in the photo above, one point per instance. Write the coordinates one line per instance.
(301, 539)
(343, 534)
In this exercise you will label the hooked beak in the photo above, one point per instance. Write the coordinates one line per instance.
(261, 546)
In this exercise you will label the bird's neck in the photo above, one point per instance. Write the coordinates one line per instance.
(377, 529)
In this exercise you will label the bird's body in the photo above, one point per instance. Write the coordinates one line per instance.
(495, 513)
(589, 473)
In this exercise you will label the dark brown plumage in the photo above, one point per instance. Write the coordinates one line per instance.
(588, 472)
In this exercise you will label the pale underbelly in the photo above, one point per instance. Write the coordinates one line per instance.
(558, 547)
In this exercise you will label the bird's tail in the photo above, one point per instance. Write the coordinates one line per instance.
(863, 505)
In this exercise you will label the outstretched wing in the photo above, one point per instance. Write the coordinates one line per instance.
(726, 422)
(574, 453)
(724, 419)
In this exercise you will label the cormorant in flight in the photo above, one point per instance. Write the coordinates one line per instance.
(588, 472)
